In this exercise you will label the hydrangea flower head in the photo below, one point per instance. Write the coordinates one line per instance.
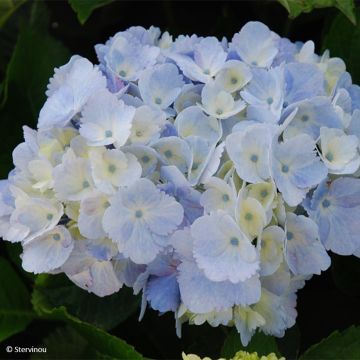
(211, 176)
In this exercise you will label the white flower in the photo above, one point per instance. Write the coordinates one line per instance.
(106, 120)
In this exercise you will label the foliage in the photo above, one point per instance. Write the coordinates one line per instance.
(296, 7)
(343, 40)
(339, 345)
(15, 307)
(84, 8)
(85, 326)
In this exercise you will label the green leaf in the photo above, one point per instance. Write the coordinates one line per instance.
(7, 8)
(344, 345)
(343, 40)
(84, 8)
(259, 343)
(296, 7)
(63, 343)
(15, 307)
(105, 313)
(23, 93)
(102, 342)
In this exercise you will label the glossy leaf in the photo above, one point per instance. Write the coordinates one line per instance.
(296, 7)
(101, 341)
(84, 8)
(7, 8)
(339, 345)
(343, 40)
(106, 312)
(15, 307)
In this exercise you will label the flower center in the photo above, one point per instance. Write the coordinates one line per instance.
(138, 214)
(49, 216)
(56, 237)
(234, 80)
(248, 216)
(108, 133)
(289, 235)
(254, 158)
(145, 159)
(234, 241)
(305, 118)
(158, 101)
(122, 73)
(329, 156)
(264, 193)
(85, 184)
(285, 169)
(269, 100)
(326, 203)
(112, 168)
(168, 154)
(225, 198)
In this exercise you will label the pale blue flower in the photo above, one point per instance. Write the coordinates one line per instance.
(48, 251)
(89, 267)
(179, 187)
(340, 152)
(303, 81)
(311, 115)
(140, 218)
(218, 102)
(335, 207)
(70, 94)
(193, 122)
(222, 250)
(278, 311)
(304, 252)
(146, 156)
(218, 196)
(266, 90)
(160, 86)
(201, 295)
(255, 44)
(296, 168)
(32, 217)
(173, 150)
(206, 61)
(233, 76)
(106, 120)
(250, 152)
(127, 57)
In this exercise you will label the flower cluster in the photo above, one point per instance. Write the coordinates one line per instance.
(240, 355)
(211, 176)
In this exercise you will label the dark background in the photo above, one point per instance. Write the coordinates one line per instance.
(328, 302)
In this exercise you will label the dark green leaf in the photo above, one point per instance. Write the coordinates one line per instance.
(343, 40)
(102, 342)
(296, 7)
(259, 343)
(7, 8)
(15, 307)
(105, 312)
(344, 345)
(63, 343)
(84, 8)
(23, 93)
